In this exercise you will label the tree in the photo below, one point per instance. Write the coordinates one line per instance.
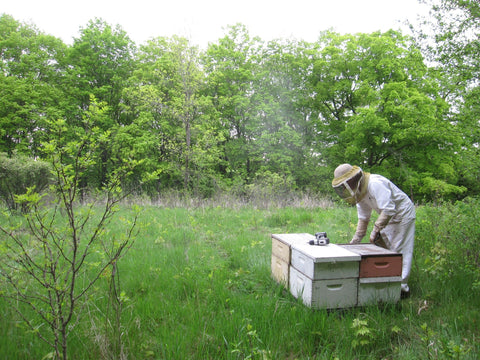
(232, 69)
(31, 73)
(102, 59)
(181, 83)
(450, 38)
(100, 62)
(166, 93)
(51, 261)
(283, 138)
(379, 107)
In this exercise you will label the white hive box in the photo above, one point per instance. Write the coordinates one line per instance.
(324, 262)
(379, 275)
(281, 254)
(376, 290)
(324, 276)
(328, 294)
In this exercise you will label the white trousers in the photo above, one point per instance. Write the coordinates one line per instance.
(400, 237)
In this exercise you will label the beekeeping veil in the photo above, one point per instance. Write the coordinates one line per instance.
(350, 183)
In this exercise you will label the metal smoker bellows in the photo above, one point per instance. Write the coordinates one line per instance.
(320, 239)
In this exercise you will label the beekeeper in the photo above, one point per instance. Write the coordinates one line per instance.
(394, 228)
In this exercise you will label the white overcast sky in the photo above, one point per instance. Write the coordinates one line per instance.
(204, 21)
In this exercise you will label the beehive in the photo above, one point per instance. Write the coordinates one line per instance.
(324, 276)
(281, 254)
(379, 274)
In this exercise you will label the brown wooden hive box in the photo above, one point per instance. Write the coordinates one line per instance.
(376, 261)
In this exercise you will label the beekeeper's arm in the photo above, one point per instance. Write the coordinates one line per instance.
(360, 232)
(364, 212)
(383, 196)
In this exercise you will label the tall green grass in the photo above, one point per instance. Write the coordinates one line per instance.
(197, 285)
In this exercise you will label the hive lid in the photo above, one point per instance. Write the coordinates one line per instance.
(366, 250)
(326, 253)
(290, 239)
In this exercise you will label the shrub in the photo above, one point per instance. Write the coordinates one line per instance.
(449, 238)
(18, 173)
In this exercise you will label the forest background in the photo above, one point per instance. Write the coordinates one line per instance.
(247, 116)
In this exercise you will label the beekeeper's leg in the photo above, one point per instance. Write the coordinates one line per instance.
(401, 239)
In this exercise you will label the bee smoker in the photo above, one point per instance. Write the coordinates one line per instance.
(320, 239)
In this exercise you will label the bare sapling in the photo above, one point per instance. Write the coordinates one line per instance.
(52, 257)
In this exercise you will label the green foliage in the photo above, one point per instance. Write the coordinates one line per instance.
(435, 347)
(270, 186)
(449, 37)
(253, 347)
(100, 63)
(264, 121)
(454, 28)
(363, 335)
(198, 122)
(448, 251)
(31, 70)
(383, 115)
(19, 173)
(179, 137)
(232, 70)
(101, 60)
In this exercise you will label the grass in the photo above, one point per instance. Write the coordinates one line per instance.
(197, 285)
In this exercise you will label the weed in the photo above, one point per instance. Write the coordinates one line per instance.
(437, 346)
(363, 334)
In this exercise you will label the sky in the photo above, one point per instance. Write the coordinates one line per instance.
(206, 21)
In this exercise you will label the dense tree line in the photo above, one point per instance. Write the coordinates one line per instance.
(245, 112)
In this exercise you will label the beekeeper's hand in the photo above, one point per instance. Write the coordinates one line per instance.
(355, 240)
(360, 233)
(381, 222)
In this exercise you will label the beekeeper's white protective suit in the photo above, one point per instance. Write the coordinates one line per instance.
(396, 220)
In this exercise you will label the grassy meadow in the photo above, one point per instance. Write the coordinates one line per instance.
(197, 285)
